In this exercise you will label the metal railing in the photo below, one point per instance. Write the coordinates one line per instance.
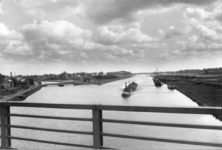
(97, 123)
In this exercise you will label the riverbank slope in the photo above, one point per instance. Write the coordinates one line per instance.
(204, 91)
(21, 94)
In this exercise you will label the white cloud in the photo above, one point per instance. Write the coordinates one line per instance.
(58, 29)
(172, 32)
(201, 14)
(57, 39)
(215, 46)
(128, 11)
(109, 56)
(17, 48)
(84, 55)
(198, 13)
(116, 34)
(7, 34)
(193, 38)
(151, 46)
(11, 42)
(1, 9)
(61, 9)
(191, 45)
(61, 40)
(208, 33)
(205, 24)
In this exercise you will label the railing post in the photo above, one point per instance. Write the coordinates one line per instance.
(6, 142)
(97, 128)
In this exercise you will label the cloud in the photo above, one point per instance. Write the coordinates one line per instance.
(103, 11)
(17, 48)
(11, 42)
(203, 15)
(106, 11)
(57, 39)
(1, 9)
(191, 46)
(150, 46)
(195, 44)
(63, 41)
(109, 56)
(172, 32)
(205, 24)
(57, 30)
(215, 46)
(7, 34)
(60, 8)
(208, 33)
(84, 55)
(116, 34)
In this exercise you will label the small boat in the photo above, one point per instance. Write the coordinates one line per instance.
(126, 94)
(76, 83)
(21, 97)
(61, 84)
(157, 82)
(99, 83)
(171, 86)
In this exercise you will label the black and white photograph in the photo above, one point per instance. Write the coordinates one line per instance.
(111, 74)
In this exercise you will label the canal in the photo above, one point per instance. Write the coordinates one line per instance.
(110, 94)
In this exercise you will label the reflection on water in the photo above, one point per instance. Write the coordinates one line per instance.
(110, 94)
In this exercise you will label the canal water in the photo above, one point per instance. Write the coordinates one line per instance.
(110, 94)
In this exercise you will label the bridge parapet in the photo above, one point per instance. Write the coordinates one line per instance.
(97, 123)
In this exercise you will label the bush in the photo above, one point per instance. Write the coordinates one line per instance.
(31, 81)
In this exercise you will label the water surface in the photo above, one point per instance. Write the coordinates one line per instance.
(110, 94)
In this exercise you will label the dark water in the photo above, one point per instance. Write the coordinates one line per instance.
(110, 94)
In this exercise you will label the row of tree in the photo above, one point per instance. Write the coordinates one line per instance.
(16, 81)
(25, 82)
(2, 77)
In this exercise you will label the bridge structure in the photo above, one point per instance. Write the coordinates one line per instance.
(97, 120)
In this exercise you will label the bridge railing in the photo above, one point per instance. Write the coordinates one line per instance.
(97, 123)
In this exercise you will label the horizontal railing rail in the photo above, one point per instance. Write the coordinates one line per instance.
(210, 127)
(49, 117)
(186, 110)
(97, 123)
(50, 130)
(162, 140)
(49, 142)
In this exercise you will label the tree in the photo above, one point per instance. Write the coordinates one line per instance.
(1, 78)
(31, 81)
(15, 81)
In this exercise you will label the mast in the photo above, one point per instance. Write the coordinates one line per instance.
(157, 72)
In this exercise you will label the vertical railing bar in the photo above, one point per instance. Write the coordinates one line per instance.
(3, 137)
(8, 122)
(101, 126)
(97, 128)
(5, 142)
(3, 134)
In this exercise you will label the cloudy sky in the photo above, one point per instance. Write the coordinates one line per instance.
(51, 36)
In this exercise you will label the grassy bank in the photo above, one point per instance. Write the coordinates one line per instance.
(10, 91)
(21, 94)
(104, 81)
(200, 90)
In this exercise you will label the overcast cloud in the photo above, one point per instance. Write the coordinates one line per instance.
(51, 36)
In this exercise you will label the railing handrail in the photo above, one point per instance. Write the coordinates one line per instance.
(154, 109)
(97, 122)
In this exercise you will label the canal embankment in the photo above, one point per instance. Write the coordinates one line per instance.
(92, 81)
(20, 94)
(205, 91)
(104, 81)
